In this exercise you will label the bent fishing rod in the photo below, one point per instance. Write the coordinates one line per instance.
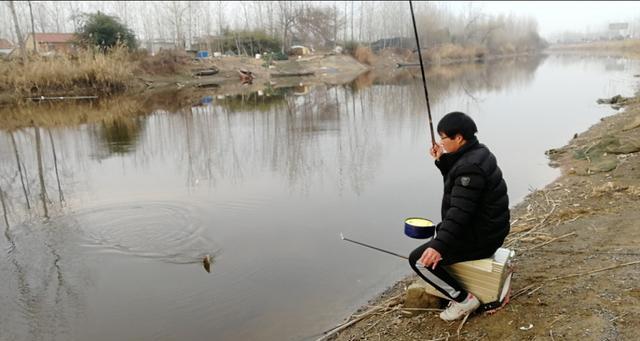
(424, 78)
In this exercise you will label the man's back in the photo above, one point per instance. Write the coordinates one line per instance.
(475, 204)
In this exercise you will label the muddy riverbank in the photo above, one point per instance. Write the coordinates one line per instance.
(122, 74)
(321, 68)
(577, 270)
(165, 73)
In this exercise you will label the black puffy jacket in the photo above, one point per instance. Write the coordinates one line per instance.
(475, 205)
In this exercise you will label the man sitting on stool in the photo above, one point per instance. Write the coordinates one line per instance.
(475, 212)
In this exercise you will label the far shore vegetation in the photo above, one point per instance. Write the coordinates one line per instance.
(627, 47)
(107, 57)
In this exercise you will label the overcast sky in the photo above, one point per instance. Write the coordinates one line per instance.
(558, 16)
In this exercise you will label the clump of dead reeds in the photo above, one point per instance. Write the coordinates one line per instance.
(364, 55)
(164, 62)
(40, 75)
(453, 52)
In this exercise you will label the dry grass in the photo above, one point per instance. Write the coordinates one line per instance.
(165, 62)
(99, 72)
(364, 55)
(630, 47)
(452, 52)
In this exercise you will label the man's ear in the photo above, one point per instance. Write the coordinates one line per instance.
(459, 138)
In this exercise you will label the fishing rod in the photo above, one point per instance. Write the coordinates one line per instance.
(424, 78)
(372, 247)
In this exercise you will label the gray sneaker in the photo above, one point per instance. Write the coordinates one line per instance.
(456, 310)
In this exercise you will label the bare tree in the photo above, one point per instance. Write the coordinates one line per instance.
(270, 15)
(289, 12)
(75, 14)
(175, 11)
(352, 38)
(221, 6)
(16, 24)
(220, 10)
(259, 14)
(59, 17)
(41, 17)
(245, 13)
(361, 19)
(33, 27)
(317, 25)
(183, 22)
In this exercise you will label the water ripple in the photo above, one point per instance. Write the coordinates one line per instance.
(167, 231)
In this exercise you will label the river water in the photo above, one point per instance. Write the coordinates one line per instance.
(106, 224)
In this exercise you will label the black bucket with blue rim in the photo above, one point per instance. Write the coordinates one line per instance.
(419, 228)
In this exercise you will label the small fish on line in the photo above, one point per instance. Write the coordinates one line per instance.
(206, 262)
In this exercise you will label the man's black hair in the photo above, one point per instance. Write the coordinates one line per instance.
(457, 123)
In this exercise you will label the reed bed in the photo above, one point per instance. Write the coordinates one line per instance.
(452, 52)
(87, 69)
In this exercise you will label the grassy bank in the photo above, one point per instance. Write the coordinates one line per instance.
(68, 75)
(436, 56)
(119, 71)
(122, 72)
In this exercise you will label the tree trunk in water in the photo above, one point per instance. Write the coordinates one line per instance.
(4, 210)
(43, 191)
(55, 164)
(24, 188)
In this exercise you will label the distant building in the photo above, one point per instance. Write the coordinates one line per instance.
(5, 47)
(618, 30)
(299, 50)
(51, 42)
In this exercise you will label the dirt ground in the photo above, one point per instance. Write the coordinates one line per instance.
(585, 226)
(326, 68)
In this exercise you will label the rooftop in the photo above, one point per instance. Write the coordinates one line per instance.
(5, 44)
(54, 37)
